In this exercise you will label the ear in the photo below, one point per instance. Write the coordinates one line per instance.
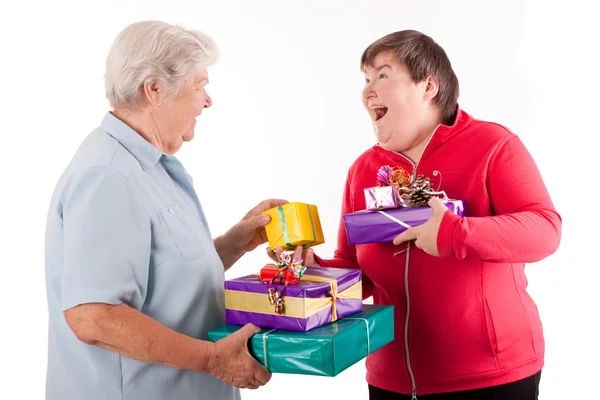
(432, 87)
(152, 94)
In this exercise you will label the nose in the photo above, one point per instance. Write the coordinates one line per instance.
(209, 101)
(368, 91)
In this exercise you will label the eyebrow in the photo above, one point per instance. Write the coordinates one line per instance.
(381, 67)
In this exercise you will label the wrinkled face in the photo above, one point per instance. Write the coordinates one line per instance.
(398, 106)
(176, 117)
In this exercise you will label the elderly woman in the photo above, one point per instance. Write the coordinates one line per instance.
(465, 326)
(134, 277)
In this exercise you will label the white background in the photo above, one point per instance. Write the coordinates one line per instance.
(287, 122)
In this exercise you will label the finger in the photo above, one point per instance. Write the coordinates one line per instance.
(437, 206)
(269, 203)
(298, 255)
(258, 382)
(409, 234)
(419, 244)
(272, 254)
(309, 258)
(261, 374)
(258, 221)
(248, 330)
(248, 385)
(278, 253)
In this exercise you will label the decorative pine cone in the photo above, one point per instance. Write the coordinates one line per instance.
(418, 192)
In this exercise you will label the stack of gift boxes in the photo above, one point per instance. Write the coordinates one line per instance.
(312, 319)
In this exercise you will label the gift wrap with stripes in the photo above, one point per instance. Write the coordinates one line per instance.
(325, 351)
(294, 224)
(321, 296)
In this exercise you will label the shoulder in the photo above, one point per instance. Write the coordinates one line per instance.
(100, 181)
(99, 159)
(491, 132)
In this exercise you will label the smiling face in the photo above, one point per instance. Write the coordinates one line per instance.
(176, 117)
(400, 109)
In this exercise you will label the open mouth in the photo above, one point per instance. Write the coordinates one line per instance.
(380, 112)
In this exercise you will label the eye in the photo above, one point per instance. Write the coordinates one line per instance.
(381, 76)
(367, 80)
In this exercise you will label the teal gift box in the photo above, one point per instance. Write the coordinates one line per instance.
(326, 350)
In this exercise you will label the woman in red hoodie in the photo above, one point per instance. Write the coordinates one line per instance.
(465, 326)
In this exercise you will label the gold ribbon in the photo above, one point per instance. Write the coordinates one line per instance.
(295, 307)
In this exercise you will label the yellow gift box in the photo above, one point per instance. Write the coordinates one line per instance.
(294, 224)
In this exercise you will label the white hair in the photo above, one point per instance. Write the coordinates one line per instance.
(154, 51)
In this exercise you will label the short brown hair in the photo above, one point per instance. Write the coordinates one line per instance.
(423, 57)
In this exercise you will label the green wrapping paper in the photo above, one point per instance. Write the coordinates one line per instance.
(325, 351)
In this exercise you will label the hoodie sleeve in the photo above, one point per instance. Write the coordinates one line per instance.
(345, 254)
(525, 226)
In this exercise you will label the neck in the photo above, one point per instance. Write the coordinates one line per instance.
(142, 122)
(416, 151)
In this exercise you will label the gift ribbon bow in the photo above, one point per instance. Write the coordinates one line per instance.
(286, 235)
(275, 296)
(285, 263)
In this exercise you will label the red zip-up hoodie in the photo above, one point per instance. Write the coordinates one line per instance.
(463, 320)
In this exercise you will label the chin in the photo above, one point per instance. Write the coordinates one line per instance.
(383, 139)
(188, 137)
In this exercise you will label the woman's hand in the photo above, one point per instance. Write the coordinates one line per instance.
(232, 363)
(247, 234)
(250, 232)
(425, 235)
(306, 255)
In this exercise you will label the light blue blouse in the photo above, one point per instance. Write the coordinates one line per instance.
(125, 226)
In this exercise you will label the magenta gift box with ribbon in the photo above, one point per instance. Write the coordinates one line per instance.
(321, 296)
(382, 197)
(383, 226)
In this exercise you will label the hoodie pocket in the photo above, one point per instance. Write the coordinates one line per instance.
(491, 331)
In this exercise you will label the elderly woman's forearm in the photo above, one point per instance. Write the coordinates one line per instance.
(226, 252)
(126, 331)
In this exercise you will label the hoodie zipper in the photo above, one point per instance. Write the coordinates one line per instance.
(406, 350)
(406, 320)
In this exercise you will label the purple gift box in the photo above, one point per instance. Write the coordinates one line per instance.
(382, 197)
(322, 295)
(383, 226)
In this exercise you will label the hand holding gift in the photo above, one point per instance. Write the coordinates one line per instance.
(246, 235)
(288, 270)
(250, 232)
(425, 235)
(294, 225)
(232, 363)
(307, 255)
